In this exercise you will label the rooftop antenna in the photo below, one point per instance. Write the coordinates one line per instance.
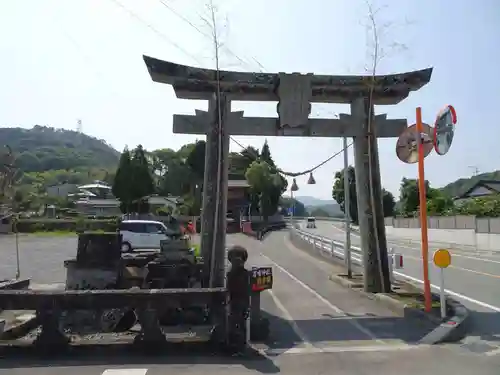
(475, 170)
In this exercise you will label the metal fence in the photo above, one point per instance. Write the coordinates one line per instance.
(479, 224)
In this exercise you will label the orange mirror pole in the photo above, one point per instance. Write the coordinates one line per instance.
(423, 212)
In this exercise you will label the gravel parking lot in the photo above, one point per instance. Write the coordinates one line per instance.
(41, 257)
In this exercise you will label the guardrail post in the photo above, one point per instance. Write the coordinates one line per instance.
(391, 264)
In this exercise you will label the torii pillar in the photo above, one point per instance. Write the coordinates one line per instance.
(295, 93)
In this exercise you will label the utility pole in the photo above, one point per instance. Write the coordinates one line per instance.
(475, 170)
(347, 216)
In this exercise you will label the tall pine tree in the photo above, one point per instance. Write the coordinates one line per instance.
(142, 182)
(265, 155)
(275, 192)
(133, 181)
(121, 183)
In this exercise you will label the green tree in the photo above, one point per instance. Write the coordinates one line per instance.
(488, 206)
(240, 161)
(176, 177)
(410, 201)
(142, 183)
(388, 203)
(265, 154)
(196, 160)
(121, 184)
(439, 203)
(338, 192)
(262, 184)
(408, 196)
(28, 162)
(280, 183)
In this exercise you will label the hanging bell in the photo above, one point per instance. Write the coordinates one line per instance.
(311, 180)
(294, 186)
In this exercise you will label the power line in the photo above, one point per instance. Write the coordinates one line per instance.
(156, 31)
(185, 19)
(291, 174)
(261, 68)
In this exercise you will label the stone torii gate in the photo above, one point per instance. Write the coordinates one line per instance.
(294, 93)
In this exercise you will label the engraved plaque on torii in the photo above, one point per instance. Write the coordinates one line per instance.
(295, 93)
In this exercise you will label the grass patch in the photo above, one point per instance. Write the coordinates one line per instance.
(414, 300)
(54, 234)
(406, 293)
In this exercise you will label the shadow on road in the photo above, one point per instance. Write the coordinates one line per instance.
(320, 332)
(128, 354)
(349, 330)
(486, 325)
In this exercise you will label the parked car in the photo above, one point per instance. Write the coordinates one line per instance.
(145, 234)
(311, 222)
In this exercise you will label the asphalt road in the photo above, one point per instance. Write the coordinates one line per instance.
(317, 326)
(473, 278)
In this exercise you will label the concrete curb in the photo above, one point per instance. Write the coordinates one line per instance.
(453, 329)
(390, 302)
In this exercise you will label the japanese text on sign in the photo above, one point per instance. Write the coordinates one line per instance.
(262, 278)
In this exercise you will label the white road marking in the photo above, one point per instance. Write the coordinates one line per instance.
(452, 293)
(436, 287)
(291, 321)
(323, 299)
(341, 349)
(125, 371)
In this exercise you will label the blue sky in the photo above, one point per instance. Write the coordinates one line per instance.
(82, 59)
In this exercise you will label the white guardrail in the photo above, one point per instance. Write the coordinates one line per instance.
(336, 249)
(318, 218)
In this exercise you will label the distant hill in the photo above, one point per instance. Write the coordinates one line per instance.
(332, 210)
(330, 206)
(44, 148)
(461, 185)
(312, 201)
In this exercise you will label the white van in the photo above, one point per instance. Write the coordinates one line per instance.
(144, 234)
(311, 222)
